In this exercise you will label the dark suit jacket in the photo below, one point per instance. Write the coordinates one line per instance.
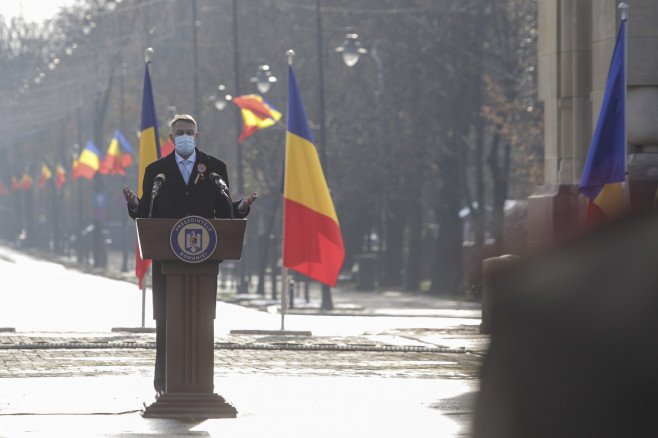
(175, 199)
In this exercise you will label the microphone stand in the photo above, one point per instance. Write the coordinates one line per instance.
(223, 188)
(154, 193)
(229, 201)
(151, 207)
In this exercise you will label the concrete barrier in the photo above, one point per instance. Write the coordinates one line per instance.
(489, 266)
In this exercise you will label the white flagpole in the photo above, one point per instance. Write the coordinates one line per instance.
(284, 271)
(148, 56)
(284, 295)
(624, 19)
(144, 298)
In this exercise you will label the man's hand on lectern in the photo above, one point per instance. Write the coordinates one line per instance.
(131, 198)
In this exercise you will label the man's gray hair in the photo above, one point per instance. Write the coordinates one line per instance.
(186, 117)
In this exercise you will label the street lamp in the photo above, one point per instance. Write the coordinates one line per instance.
(78, 234)
(351, 49)
(220, 99)
(263, 78)
(148, 55)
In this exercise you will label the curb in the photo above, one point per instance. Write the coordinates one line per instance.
(271, 332)
(133, 330)
(230, 346)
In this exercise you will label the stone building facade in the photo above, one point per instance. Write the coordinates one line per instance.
(576, 41)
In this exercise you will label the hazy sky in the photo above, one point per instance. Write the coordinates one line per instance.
(33, 10)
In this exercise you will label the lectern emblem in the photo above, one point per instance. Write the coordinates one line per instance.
(193, 239)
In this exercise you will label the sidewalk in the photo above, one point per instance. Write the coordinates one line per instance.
(348, 301)
(382, 382)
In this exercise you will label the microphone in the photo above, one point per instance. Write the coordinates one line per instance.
(157, 182)
(224, 189)
(219, 182)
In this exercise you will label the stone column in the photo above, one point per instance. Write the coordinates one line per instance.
(642, 102)
(565, 73)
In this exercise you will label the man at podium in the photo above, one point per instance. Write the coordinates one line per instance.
(187, 182)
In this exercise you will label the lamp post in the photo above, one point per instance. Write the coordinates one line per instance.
(195, 52)
(101, 102)
(122, 125)
(236, 73)
(351, 50)
(220, 99)
(242, 284)
(78, 234)
(263, 78)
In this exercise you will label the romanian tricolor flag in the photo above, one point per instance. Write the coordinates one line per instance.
(312, 240)
(15, 184)
(26, 182)
(118, 155)
(605, 168)
(3, 189)
(60, 176)
(257, 113)
(46, 174)
(149, 151)
(166, 148)
(88, 163)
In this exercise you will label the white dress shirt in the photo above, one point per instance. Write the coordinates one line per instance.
(190, 164)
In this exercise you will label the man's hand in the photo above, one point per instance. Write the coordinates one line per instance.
(131, 198)
(246, 202)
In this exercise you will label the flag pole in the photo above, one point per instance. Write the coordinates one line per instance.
(284, 270)
(144, 301)
(148, 54)
(624, 20)
(284, 296)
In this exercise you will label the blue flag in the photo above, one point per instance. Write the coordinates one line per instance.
(606, 161)
(123, 143)
(149, 151)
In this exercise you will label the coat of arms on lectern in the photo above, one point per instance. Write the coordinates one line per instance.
(192, 240)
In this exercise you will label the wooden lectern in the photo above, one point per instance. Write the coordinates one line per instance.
(191, 296)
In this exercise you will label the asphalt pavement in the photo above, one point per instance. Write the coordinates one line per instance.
(380, 364)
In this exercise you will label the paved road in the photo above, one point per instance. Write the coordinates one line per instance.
(28, 356)
(95, 385)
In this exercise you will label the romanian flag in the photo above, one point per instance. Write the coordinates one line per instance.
(88, 163)
(257, 113)
(46, 174)
(118, 155)
(15, 184)
(149, 151)
(3, 189)
(60, 176)
(26, 182)
(166, 148)
(312, 240)
(605, 168)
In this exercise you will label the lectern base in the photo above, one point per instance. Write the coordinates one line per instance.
(177, 405)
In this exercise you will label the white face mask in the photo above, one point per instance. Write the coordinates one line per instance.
(184, 144)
